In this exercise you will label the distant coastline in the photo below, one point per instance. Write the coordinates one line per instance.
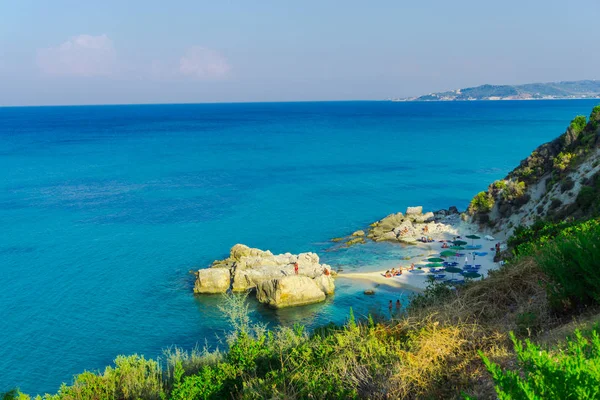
(566, 90)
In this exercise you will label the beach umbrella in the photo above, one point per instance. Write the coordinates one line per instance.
(459, 242)
(471, 275)
(448, 253)
(473, 237)
(457, 248)
(435, 259)
(433, 265)
(453, 270)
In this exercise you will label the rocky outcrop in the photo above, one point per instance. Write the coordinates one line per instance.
(212, 280)
(407, 228)
(291, 291)
(248, 268)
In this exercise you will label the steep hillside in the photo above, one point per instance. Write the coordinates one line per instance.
(559, 180)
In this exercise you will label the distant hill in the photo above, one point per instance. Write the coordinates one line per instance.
(552, 90)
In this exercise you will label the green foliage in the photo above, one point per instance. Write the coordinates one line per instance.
(570, 374)
(571, 261)
(555, 203)
(208, 383)
(562, 161)
(499, 184)
(586, 197)
(567, 184)
(481, 203)
(132, 377)
(595, 117)
(578, 124)
(513, 190)
(13, 394)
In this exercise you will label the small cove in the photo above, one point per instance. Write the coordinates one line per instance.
(106, 209)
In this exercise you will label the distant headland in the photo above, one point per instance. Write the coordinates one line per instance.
(586, 89)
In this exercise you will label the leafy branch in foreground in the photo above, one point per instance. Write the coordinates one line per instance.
(570, 374)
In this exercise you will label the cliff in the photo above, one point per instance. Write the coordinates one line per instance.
(559, 180)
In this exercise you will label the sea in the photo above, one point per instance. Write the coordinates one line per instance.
(104, 210)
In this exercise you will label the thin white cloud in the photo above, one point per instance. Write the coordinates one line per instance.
(82, 55)
(203, 63)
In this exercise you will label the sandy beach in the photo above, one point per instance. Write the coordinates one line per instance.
(418, 278)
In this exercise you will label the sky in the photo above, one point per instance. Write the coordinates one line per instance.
(192, 51)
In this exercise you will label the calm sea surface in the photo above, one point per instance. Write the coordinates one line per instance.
(104, 210)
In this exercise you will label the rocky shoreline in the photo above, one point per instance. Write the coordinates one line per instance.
(407, 228)
(272, 277)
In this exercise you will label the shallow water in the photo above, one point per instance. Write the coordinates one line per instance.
(104, 210)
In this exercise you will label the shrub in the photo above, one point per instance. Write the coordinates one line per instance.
(567, 184)
(555, 203)
(513, 190)
(570, 374)
(571, 262)
(499, 184)
(586, 197)
(578, 124)
(562, 161)
(595, 117)
(481, 203)
(132, 377)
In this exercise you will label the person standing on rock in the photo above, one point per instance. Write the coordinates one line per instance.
(296, 268)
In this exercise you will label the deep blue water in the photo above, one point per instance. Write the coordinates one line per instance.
(104, 210)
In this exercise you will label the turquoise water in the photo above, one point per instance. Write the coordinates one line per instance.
(104, 210)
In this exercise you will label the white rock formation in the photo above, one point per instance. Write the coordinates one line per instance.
(249, 268)
(289, 291)
(213, 280)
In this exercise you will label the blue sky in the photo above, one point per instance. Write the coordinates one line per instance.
(99, 52)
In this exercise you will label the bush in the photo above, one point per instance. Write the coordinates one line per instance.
(567, 184)
(132, 377)
(586, 197)
(481, 203)
(563, 160)
(570, 374)
(555, 203)
(499, 185)
(571, 262)
(578, 124)
(595, 117)
(513, 190)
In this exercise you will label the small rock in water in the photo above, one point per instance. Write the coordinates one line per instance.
(369, 292)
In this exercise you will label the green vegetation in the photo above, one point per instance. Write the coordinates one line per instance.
(481, 203)
(499, 185)
(578, 124)
(571, 261)
(562, 161)
(570, 374)
(595, 117)
(513, 190)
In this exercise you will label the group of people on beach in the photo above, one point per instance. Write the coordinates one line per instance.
(390, 273)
